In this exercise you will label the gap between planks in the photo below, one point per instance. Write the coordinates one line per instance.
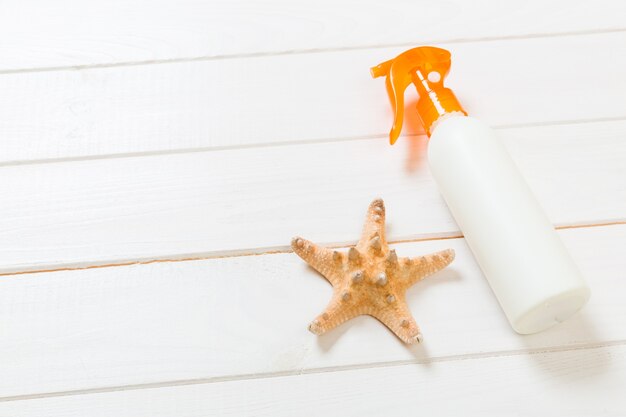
(312, 51)
(313, 141)
(340, 368)
(273, 251)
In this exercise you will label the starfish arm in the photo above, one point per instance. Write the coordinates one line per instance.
(338, 311)
(413, 270)
(325, 261)
(397, 317)
(373, 236)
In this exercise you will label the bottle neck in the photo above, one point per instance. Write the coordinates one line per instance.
(435, 101)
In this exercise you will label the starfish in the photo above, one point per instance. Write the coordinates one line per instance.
(370, 279)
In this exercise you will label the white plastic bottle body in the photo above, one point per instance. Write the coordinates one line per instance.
(530, 271)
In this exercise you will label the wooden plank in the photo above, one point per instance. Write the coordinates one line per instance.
(294, 98)
(94, 212)
(572, 383)
(237, 317)
(74, 33)
(577, 382)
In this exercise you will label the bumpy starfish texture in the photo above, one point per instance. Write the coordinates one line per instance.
(370, 278)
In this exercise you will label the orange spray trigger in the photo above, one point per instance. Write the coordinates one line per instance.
(425, 67)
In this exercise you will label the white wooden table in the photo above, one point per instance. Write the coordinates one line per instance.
(157, 157)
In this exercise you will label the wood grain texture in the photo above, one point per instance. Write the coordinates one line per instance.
(82, 213)
(38, 34)
(140, 131)
(571, 383)
(295, 98)
(240, 317)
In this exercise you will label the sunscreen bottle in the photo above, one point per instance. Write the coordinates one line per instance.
(527, 266)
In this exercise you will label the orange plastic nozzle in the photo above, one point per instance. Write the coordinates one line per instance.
(425, 67)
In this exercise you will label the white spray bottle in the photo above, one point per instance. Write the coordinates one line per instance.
(516, 246)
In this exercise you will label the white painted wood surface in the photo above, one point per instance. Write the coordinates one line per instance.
(586, 382)
(285, 99)
(233, 318)
(141, 131)
(188, 205)
(40, 34)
